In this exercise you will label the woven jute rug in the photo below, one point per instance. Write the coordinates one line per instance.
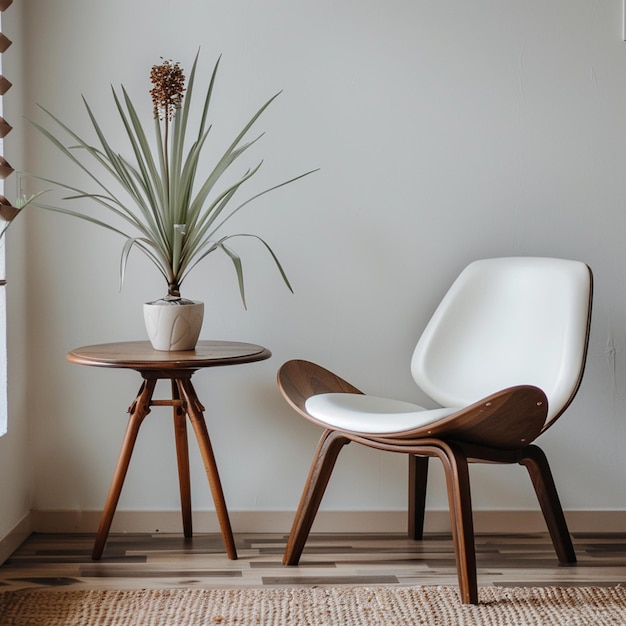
(384, 606)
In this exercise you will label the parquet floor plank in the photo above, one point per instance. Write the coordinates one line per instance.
(134, 561)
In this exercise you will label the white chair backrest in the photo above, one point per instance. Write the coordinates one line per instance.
(505, 322)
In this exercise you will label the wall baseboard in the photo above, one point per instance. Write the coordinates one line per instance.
(498, 522)
(15, 538)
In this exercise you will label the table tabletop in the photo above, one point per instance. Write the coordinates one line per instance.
(140, 355)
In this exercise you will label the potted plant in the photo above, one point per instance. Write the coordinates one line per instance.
(176, 212)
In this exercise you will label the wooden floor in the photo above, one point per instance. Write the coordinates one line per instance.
(161, 560)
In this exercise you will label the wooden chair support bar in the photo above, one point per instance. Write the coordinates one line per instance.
(459, 498)
(324, 460)
(418, 479)
(537, 465)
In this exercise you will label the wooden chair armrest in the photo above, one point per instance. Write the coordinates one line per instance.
(508, 419)
(298, 380)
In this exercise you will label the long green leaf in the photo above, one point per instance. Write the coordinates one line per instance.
(165, 192)
(239, 269)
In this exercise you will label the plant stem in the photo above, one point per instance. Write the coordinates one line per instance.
(173, 289)
(166, 158)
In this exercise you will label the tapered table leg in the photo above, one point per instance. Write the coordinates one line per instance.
(195, 411)
(138, 410)
(182, 458)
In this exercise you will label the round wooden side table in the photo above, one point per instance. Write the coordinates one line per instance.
(178, 367)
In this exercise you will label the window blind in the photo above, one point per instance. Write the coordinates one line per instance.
(7, 210)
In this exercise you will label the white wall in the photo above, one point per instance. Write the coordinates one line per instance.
(445, 131)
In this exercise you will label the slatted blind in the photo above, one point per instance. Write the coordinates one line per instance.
(7, 212)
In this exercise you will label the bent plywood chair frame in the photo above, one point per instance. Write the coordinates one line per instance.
(500, 428)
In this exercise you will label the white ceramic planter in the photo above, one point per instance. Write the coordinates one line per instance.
(173, 326)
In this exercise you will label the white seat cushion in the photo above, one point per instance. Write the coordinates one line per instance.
(371, 414)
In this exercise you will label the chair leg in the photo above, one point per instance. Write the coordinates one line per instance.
(459, 497)
(537, 465)
(324, 460)
(418, 476)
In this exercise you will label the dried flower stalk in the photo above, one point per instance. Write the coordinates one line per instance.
(167, 94)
